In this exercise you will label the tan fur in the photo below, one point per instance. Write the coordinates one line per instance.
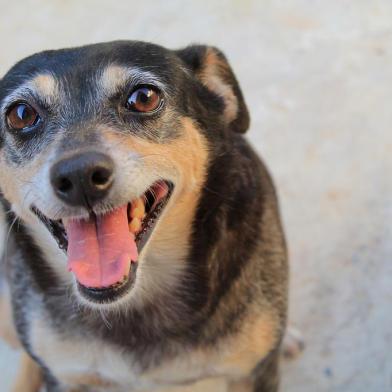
(235, 358)
(188, 155)
(112, 77)
(185, 161)
(257, 339)
(46, 86)
(29, 377)
(211, 76)
(209, 384)
(115, 76)
(245, 385)
(90, 380)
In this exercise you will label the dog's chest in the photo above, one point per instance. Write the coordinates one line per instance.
(105, 367)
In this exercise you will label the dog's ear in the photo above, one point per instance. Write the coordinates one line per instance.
(212, 69)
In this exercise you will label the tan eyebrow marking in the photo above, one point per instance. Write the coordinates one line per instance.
(112, 77)
(115, 76)
(46, 86)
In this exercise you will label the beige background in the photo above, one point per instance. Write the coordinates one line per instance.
(317, 76)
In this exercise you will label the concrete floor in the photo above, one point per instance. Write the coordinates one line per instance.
(317, 77)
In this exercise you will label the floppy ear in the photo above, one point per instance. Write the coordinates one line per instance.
(212, 69)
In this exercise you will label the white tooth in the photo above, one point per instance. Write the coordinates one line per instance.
(135, 225)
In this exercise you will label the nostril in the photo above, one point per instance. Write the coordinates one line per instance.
(83, 179)
(64, 185)
(101, 177)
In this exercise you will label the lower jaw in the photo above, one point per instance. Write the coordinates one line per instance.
(110, 294)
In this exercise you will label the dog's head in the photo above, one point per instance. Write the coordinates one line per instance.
(107, 147)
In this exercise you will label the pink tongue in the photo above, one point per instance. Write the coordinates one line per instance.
(100, 252)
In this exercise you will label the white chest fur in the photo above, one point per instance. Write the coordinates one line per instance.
(75, 360)
(89, 361)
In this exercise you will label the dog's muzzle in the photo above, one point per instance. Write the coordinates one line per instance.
(102, 249)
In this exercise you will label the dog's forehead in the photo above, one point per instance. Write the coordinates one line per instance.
(107, 65)
(105, 81)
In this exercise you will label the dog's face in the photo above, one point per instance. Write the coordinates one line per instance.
(106, 148)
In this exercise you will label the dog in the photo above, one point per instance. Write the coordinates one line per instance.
(143, 247)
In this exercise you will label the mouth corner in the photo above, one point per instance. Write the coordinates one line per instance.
(143, 214)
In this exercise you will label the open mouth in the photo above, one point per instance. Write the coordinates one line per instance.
(103, 250)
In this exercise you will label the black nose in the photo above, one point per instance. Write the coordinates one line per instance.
(83, 179)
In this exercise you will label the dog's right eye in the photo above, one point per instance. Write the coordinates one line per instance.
(22, 116)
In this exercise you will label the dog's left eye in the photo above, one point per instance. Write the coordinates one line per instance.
(144, 99)
(22, 116)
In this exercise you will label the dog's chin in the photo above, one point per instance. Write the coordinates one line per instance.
(108, 295)
(153, 206)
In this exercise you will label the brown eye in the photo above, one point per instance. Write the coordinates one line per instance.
(144, 100)
(22, 116)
